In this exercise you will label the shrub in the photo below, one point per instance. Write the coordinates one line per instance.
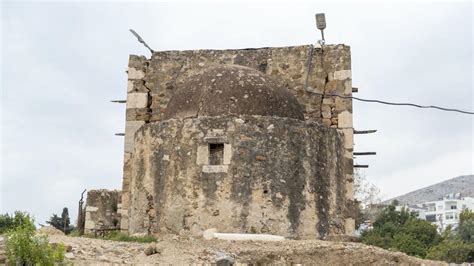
(8, 222)
(25, 248)
(466, 215)
(409, 244)
(422, 231)
(118, 236)
(375, 238)
(401, 231)
(452, 250)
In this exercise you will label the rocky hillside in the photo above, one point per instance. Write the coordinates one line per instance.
(463, 184)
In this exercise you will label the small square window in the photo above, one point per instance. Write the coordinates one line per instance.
(216, 153)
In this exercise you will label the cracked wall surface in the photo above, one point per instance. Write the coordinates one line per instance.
(306, 71)
(283, 176)
(101, 210)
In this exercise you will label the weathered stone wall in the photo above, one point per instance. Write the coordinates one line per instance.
(101, 210)
(277, 175)
(307, 71)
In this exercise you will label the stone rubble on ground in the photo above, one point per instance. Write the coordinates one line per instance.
(184, 250)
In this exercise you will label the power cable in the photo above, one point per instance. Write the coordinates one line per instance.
(398, 104)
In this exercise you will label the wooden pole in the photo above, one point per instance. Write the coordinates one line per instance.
(80, 216)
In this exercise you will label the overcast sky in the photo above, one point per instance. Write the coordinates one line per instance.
(62, 63)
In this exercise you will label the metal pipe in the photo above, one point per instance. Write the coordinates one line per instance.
(212, 233)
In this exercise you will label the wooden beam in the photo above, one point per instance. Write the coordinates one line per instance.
(365, 153)
(365, 131)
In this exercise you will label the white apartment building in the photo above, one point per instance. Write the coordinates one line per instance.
(443, 212)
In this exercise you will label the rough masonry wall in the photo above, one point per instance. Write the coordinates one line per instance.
(101, 210)
(307, 71)
(278, 175)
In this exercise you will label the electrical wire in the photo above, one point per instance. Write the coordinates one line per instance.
(398, 104)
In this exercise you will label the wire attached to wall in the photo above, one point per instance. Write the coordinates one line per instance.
(392, 103)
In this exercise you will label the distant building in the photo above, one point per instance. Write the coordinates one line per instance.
(444, 211)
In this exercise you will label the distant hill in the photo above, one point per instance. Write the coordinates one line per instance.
(463, 184)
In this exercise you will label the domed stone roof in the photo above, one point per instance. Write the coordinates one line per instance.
(231, 90)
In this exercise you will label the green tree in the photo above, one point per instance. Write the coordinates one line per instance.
(65, 219)
(422, 231)
(6, 222)
(453, 251)
(465, 228)
(401, 230)
(62, 223)
(19, 218)
(466, 215)
(391, 215)
(24, 247)
(409, 244)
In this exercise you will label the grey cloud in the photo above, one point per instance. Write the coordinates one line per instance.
(62, 63)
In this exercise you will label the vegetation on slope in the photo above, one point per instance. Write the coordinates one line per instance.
(402, 231)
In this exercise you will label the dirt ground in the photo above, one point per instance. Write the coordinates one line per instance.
(187, 250)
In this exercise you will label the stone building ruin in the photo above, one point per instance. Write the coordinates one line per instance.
(239, 140)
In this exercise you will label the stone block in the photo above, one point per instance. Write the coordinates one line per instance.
(342, 75)
(138, 114)
(348, 87)
(327, 122)
(91, 209)
(318, 84)
(326, 112)
(130, 86)
(136, 86)
(88, 225)
(215, 168)
(330, 76)
(350, 226)
(344, 120)
(348, 138)
(130, 128)
(328, 101)
(126, 156)
(202, 156)
(331, 87)
(137, 61)
(227, 153)
(342, 104)
(137, 100)
(134, 73)
(349, 190)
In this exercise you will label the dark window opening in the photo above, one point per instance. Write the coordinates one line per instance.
(431, 218)
(216, 153)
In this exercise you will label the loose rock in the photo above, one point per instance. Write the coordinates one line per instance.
(150, 249)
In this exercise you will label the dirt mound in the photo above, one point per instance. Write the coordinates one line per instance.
(181, 250)
(49, 230)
